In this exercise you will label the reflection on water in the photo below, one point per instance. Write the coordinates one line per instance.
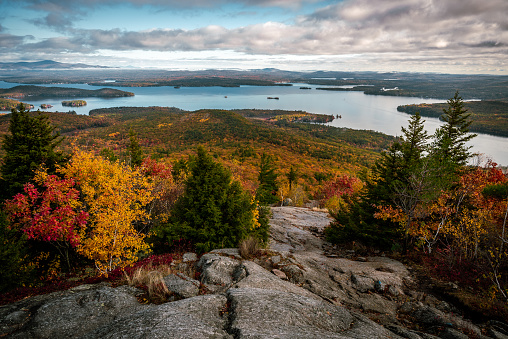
(358, 111)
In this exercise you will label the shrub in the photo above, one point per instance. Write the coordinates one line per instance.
(213, 212)
(14, 271)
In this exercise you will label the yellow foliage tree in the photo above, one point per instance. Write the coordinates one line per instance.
(115, 196)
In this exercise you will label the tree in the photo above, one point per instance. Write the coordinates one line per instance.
(14, 269)
(135, 151)
(115, 197)
(50, 214)
(292, 176)
(335, 192)
(267, 190)
(31, 142)
(214, 211)
(451, 138)
(414, 142)
(399, 179)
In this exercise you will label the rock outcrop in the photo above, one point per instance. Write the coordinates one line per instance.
(293, 290)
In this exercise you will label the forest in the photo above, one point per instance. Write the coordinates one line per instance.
(20, 92)
(91, 197)
(490, 117)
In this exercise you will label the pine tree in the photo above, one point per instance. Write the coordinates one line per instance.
(214, 211)
(292, 177)
(391, 182)
(135, 151)
(31, 142)
(14, 270)
(451, 138)
(415, 140)
(266, 194)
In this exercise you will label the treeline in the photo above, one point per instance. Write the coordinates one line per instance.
(490, 117)
(51, 92)
(423, 85)
(193, 82)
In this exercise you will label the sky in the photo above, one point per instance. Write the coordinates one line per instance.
(441, 36)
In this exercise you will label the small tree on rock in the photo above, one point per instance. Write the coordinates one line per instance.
(214, 211)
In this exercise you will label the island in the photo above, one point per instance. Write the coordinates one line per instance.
(35, 92)
(74, 103)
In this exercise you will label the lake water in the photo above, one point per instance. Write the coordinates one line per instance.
(358, 111)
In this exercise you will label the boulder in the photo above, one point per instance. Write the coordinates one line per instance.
(197, 317)
(258, 277)
(429, 316)
(280, 274)
(294, 273)
(189, 257)
(217, 270)
(71, 314)
(362, 283)
(263, 313)
(181, 285)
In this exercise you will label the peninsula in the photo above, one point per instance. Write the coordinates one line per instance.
(19, 92)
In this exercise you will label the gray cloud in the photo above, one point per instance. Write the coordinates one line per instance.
(58, 21)
(429, 32)
(9, 41)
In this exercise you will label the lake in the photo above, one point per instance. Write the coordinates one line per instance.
(358, 111)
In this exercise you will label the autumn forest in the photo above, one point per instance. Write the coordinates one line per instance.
(103, 192)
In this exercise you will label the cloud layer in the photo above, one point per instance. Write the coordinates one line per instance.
(461, 31)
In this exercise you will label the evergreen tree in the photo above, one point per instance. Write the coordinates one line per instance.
(30, 143)
(135, 151)
(14, 268)
(451, 138)
(414, 142)
(266, 194)
(292, 177)
(390, 182)
(214, 211)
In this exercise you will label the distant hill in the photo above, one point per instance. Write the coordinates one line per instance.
(60, 92)
(45, 64)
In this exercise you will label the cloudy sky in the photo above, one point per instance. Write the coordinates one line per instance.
(445, 36)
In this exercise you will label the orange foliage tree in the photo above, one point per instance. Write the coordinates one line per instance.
(463, 214)
(115, 197)
(334, 191)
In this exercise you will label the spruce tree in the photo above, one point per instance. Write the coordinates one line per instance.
(214, 211)
(266, 194)
(30, 143)
(135, 151)
(292, 177)
(391, 180)
(414, 142)
(451, 138)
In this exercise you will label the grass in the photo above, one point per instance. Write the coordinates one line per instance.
(151, 279)
(249, 248)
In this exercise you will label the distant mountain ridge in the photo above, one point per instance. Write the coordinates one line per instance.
(45, 64)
